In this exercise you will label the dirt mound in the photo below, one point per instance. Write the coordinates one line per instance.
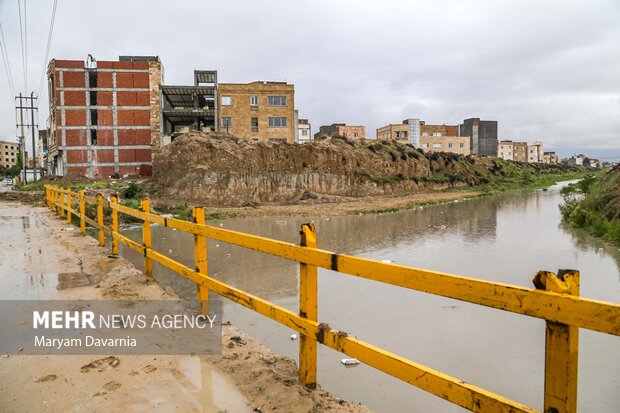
(219, 169)
(74, 178)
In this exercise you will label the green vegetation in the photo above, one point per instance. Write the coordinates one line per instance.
(594, 205)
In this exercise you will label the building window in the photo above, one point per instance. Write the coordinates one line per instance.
(254, 122)
(424, 133)
(461, 145)
(425, 145)
(253, 100)
(450, 145)
(437, 145)
(356, 134)
(304, 132)
(226, 100)
(277, 122)
(436, 133)
(226, 122)
(276, 100)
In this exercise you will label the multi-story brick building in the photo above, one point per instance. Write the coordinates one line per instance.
(9, 154)
(104, 116)
(342, 129)
(258, 110)
(482, 135)
(395, 132)
(512, 151)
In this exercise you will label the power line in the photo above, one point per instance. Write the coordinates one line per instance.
(6, 61)
(21, 37)
(47, 50)
(26, 44)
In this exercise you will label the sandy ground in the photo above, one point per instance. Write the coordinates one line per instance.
(42, 257)
(336, 206)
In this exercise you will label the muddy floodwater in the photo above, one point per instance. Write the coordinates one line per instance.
(505, 238)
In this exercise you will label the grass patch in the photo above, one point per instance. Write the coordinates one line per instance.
(593, 204)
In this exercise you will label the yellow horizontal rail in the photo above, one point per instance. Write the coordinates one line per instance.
(574, 310)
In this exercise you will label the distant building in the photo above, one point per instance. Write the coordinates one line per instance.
(42, 150)
(406, 132)
(437, 143)
(394, 132)
(550, 158)
(9, 154)
(512, 151)
(304, 131)
(535, 152)
(260, 110)
(342, 129)
(595, 163)
(104, 116)
(431, 138)
(576, 160)
(482, 135)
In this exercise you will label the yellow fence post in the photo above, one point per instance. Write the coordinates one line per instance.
(62, 204)
(308, 308)
(114, 226)
(561, 347)
(54, 199)
(200, 259)
(146, 239)
(100, 220)
(82, 212)
(69, 206)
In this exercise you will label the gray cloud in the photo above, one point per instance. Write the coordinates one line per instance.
(545, 70)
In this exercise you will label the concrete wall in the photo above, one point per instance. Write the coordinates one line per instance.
(241, 112)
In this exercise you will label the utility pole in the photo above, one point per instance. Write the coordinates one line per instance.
(22, 140)
(34, 150)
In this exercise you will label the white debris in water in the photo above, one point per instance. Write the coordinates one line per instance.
(443, 227)
(217, 245)
(293, 336)
(387, 261)
(281, 222)
(350, 362)
(174, 229)
(228, 255)
(221, 225)
(170, 251)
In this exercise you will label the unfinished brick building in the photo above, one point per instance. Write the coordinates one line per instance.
(104, 116)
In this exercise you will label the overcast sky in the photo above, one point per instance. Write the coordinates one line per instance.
(547, 70)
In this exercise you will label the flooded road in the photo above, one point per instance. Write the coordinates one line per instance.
(505, 238)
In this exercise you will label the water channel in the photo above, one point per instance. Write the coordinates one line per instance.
(505, 238)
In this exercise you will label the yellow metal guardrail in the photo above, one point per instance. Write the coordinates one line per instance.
(556, 299)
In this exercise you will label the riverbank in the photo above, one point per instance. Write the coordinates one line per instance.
(45, 258)
(594, 205)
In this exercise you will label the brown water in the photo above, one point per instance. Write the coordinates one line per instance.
(506, 238)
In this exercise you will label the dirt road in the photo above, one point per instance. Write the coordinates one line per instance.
(42, 257)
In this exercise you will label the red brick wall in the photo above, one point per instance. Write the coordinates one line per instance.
(73, 79)
(76, 137)
(74, 98)
(75, 117)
